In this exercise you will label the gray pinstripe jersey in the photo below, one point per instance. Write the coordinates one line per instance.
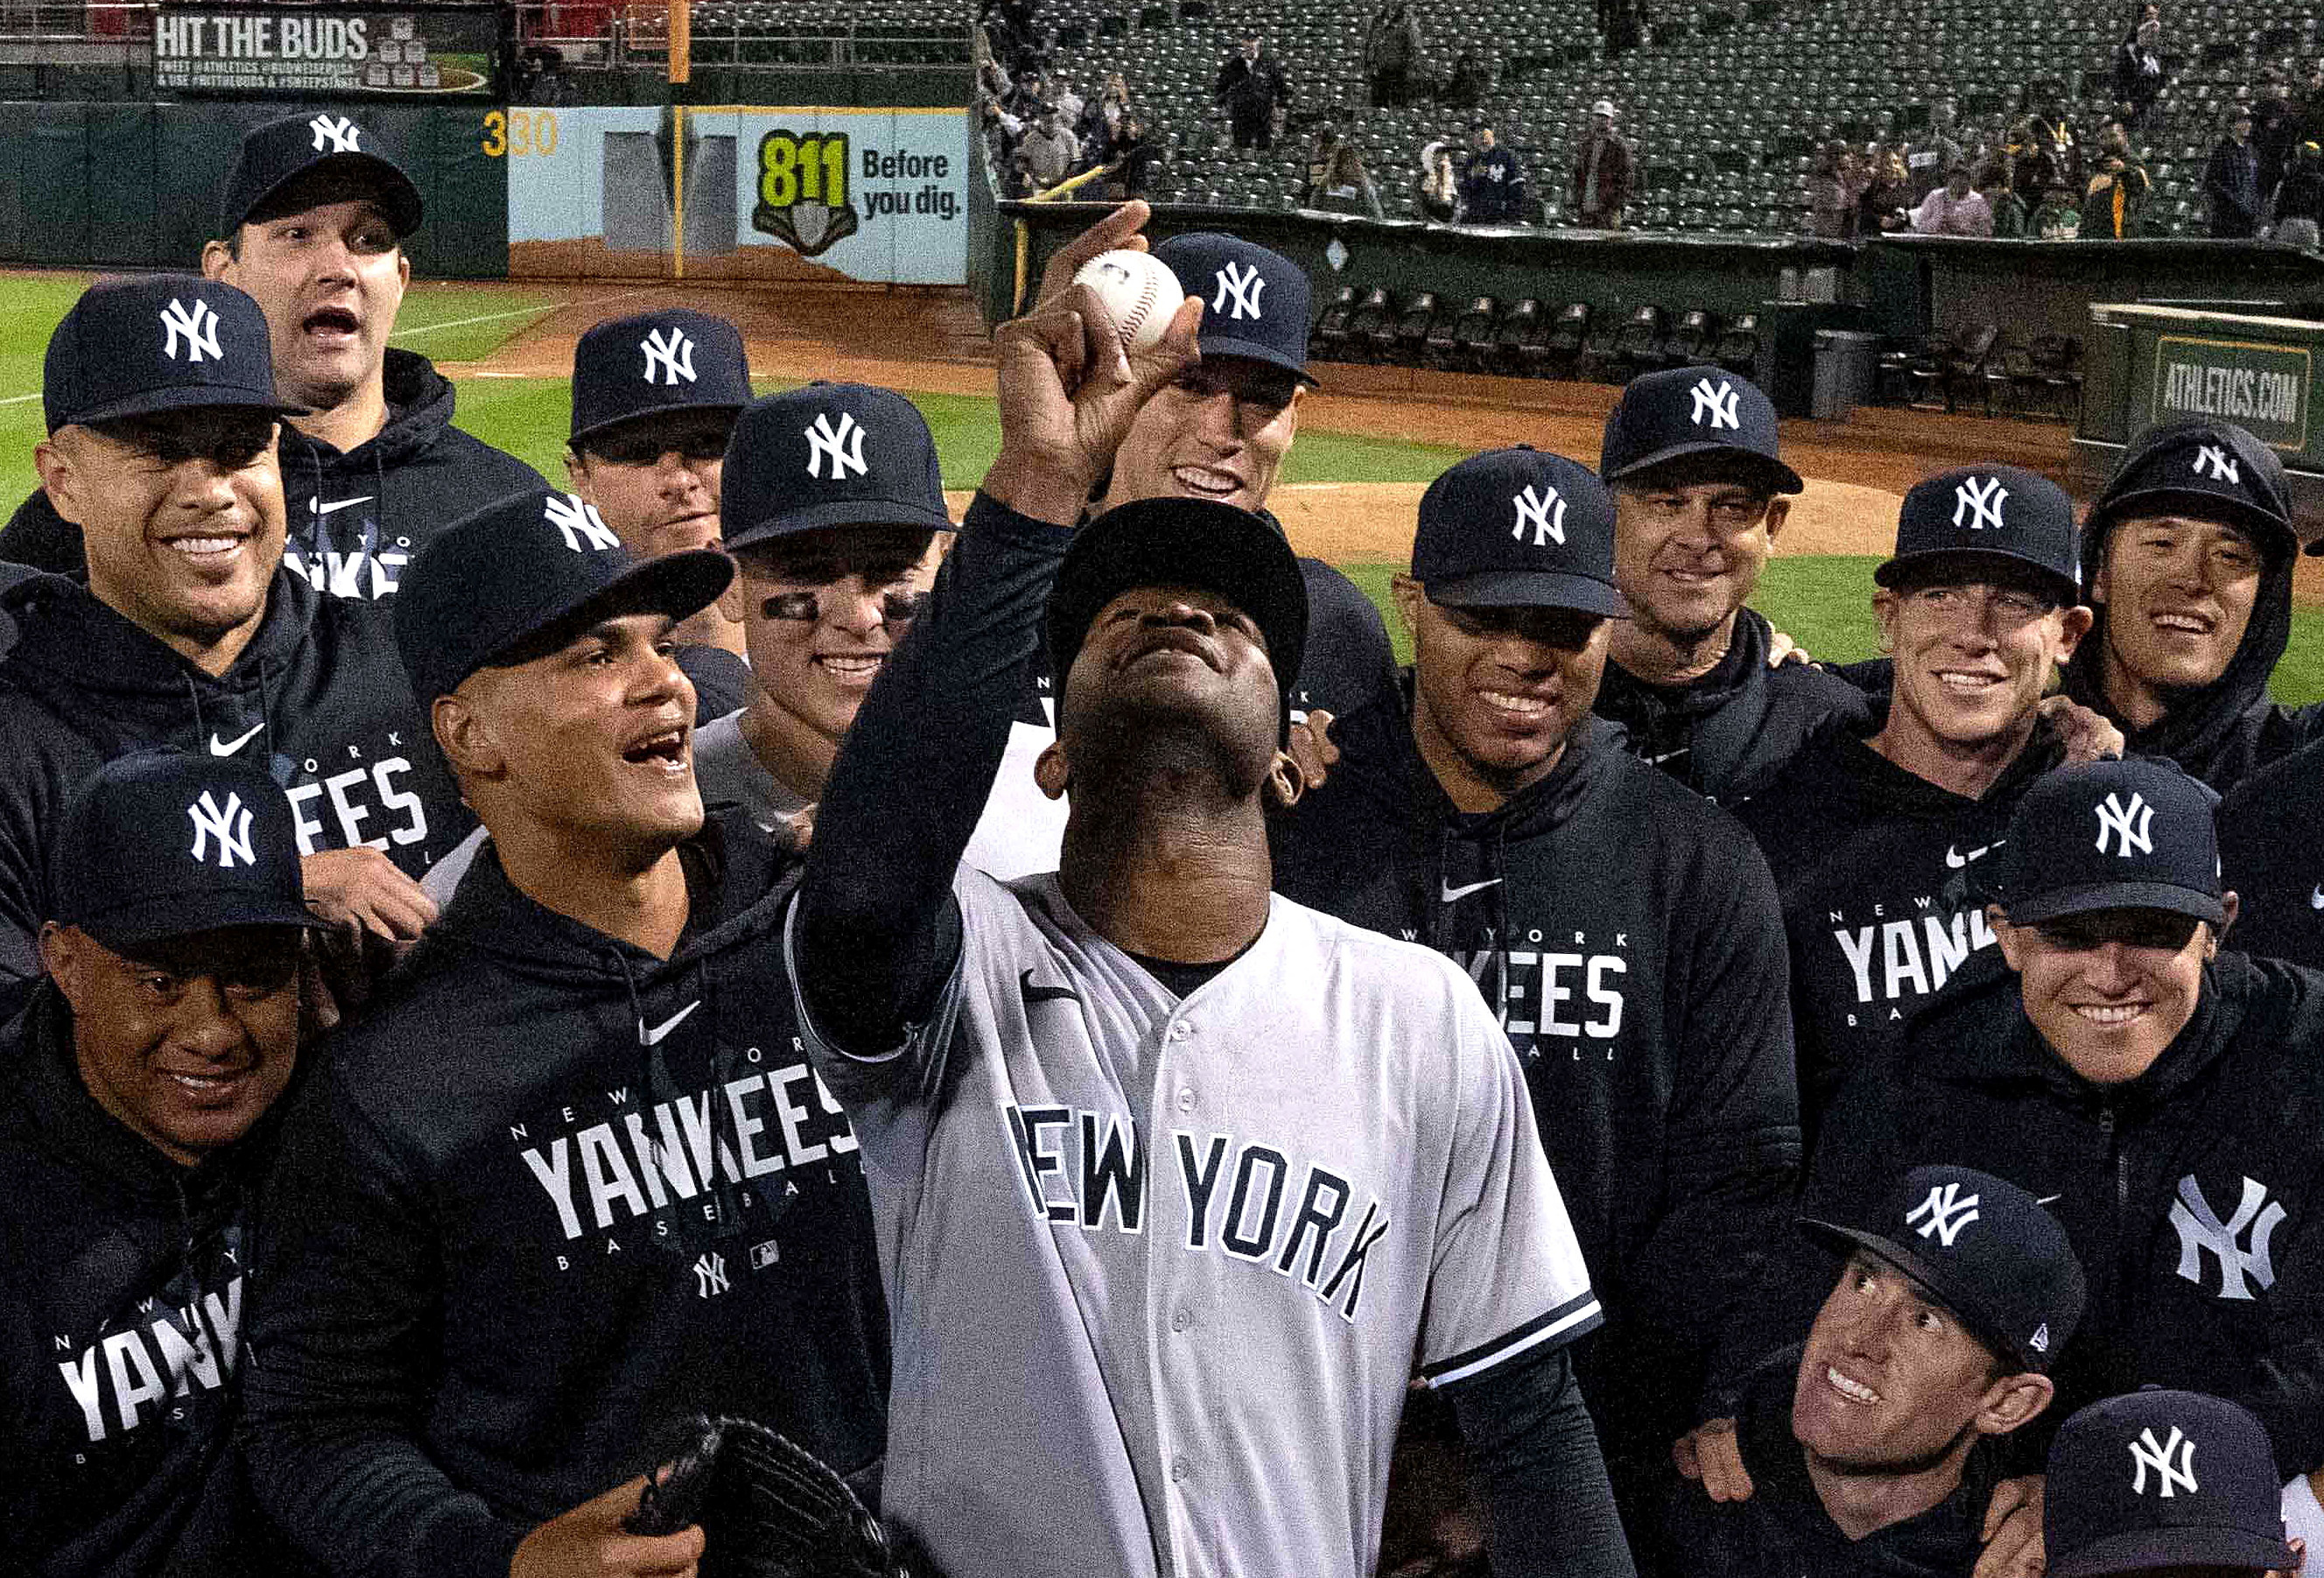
(1160, 1269)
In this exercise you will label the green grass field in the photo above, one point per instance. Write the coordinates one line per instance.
(1824, 603)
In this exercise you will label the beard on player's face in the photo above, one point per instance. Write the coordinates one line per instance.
(1174, 683)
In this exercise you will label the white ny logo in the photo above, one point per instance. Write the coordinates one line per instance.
(343, 134)
(1981, 503)
(2213, 462)
(1719, 406)
(2172, 1460)
(1243, 282)
(228, 824)
(2199, 1229)
(582, 527)
(1947, 1212)
(709, 1275)
(197, 328)
(842, 445)
(1545, 514)
(672, 352)
(2129, 825)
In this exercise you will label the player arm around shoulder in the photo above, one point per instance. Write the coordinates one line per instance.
(876, 933)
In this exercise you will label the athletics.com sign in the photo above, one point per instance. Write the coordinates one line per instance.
(2261, 387)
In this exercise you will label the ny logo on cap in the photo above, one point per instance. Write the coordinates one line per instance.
(2130, 827)
(2214, 462)
(229, 824)
(584, 529)
(2040, 1340)
(1720, 407)
(669, 350)
(2172, 1460)
(1242, 282)
(342, 135)
(1947, 1214)
(197, 328)
(842, 445)
(1543, 512)
(2200, 1229)
(1981, 503)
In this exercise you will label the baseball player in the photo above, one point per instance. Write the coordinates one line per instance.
(1873, 830)
(188, 632)
(2187, 556)
(312, 219)
(131, 1142)
(2154, 1088)
(2160, 1482)
(1220, 431)
(1179, 1184)
(1624, 930)
(1700, 493)
(572, 1182)
(1869, 1449)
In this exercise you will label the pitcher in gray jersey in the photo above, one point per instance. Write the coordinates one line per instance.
(1178, 1185)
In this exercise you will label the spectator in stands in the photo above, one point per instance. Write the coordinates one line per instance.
(1133, 156)
(2117, 197)
(2009, 216)
(1027, 99)
(1833, 191)
(1391, 50)
(1601, 187)
(1069, 104)
(1048, 152)
(1102, 115)
(1471, 78)
(1932, 156)
(1880, 210)
(2297, 206)
(2058, 216)
(1493, 187)
(1440, 187)
(1250, 89)
(2138, 63)
(2275, 128)
(1336, 175)
(2231, 181)
(1953, 209)
(1001, 131)
(2054, 133)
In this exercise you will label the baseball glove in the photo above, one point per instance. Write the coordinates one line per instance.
(769, 1509)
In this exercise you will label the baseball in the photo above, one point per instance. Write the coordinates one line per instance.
(1140, 292)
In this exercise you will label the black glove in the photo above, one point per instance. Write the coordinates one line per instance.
(768, 1509)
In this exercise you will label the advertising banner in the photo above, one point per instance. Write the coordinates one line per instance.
(2261, 387)
(740, 193)
(319, 51)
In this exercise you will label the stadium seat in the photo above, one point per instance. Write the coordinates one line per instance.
(1690, 342)
(1375, 318)
(1562, 349)
(1328, 340)
(1467, 338)
(1517, 337)
(1638, 348)
(1413, 326)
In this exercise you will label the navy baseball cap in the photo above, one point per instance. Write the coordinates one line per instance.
(2210, 470)
(1990, 516)
(519, 578)
(2130, 834)
(1519, 528)
(1987, 1252)
(278, 169)
(1197, 543)
(652, 362)
(161, 844)
(1254, 301)
(164, 341)
(1692, 410)
(2162, 1479)
(829, 455)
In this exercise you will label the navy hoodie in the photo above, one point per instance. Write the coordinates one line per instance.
(2269, 855)
(120, 1345)
(551, 1197)
(2193, 1194)
(357, 516)
(1726, 733)
(1627, 933)
(318, 695)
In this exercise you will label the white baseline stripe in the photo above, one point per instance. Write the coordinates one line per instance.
(515, 312)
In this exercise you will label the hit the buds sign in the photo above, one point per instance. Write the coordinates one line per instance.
(337, 50)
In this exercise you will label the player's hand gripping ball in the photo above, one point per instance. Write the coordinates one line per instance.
(1140, 292)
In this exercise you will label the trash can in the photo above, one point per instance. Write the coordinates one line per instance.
(1846, 364)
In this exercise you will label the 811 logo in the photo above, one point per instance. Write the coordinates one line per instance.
(805, 200)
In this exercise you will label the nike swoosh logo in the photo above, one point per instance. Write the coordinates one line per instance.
(1666, 756)
(1956, 859)
(2049, 1199)
(228, 747)
(1038, 993)
(654, 1036)
(1452, 893)
(317, 507)
(2316, 898)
